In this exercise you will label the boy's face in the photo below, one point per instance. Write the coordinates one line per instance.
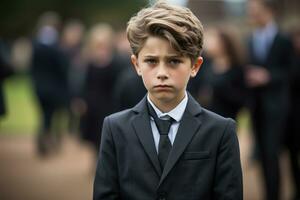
(164, 71)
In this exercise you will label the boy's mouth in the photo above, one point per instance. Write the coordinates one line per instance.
(162, 87)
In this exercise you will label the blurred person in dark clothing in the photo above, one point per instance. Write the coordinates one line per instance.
(123, 49)
(5, 71)
(292, 134)
(227, 78)
(71, 44)
(200, 86)
(129, 88)
(266, 78)
(49, 76)
(102, 70)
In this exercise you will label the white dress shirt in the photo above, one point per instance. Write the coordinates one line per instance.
(176, 114)
(263, 39)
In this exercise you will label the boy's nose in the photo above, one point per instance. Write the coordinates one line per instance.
(162, 72)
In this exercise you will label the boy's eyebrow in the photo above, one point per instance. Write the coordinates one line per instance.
(167, 56)
(174, 56)
(151, 56)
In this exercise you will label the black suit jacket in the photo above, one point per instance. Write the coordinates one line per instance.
(273, 97)
(49, 72)
(204, 162)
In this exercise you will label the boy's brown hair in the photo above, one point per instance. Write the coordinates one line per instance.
(177, 24)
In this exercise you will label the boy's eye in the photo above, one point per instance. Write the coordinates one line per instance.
(175, 61)
(151, 61)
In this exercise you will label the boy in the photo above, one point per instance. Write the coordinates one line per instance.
(167, 146)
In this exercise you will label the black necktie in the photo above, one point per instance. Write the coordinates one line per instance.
(164, 145)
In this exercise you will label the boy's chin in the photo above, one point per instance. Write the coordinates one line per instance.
(164, 97)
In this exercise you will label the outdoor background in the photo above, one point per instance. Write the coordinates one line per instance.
(69, 173)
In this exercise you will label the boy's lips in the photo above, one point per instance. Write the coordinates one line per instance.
(163, 87)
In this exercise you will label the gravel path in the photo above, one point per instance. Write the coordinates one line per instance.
(68, 174)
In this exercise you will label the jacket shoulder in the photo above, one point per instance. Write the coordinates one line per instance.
(120, 123)
(121, 116)
(216, 119)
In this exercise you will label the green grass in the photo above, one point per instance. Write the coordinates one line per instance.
(22, 112)
(243, 120)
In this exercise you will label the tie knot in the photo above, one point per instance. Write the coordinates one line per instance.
(163, 125)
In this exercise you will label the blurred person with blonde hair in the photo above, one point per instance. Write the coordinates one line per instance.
(102, 70)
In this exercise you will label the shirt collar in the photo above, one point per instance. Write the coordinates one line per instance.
(269, 30)
(175, 113)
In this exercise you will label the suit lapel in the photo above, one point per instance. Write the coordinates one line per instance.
(189, 125)
(271, 49)
(141, 124)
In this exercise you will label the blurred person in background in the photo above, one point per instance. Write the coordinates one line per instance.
(102, 70)
(21, 53)
(71, 44)
(292, 134)
(49, 72)
(129, 88)
(266, 78)
(5, 71)
(123, 48)
(200, 86)
(227, 78)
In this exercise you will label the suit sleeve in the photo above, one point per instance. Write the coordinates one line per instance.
(282, 63)
(228, 183)
(106, 185)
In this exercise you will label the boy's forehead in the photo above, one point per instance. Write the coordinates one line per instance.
(156, 46)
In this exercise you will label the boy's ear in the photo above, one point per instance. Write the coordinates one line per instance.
(134, 61)
(196, 66)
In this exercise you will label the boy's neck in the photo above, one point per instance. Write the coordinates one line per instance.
(167, 106)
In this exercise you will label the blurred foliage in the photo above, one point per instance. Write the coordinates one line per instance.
(19, 17)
